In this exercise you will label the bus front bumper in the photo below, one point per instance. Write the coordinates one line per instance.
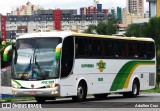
(48, 92)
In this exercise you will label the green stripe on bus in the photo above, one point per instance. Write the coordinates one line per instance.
(17, 82)
(5, 57)
(124, 72)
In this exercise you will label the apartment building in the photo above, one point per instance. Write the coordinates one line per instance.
(47, 20)
(25, 9)
(135, 6)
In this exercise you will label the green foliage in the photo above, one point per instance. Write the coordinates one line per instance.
(8, 99)
(133, 30)
(111, 27)
(0, 40)
(138, 30)
(150, 29)
(15, 99)
(104, 28)
(101, 28)
(7, 44)
(154, 27)
(91, 29)
(158, 80)
(158, 54)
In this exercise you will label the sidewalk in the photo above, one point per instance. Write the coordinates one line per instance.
(5, 92)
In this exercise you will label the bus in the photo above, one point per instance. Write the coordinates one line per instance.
(48, 65)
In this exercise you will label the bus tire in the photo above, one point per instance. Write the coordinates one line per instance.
(135, 89)
(81, 93)
(100, 96)
(134, 92)
(40, 99)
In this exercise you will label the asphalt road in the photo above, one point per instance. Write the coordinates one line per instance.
(143, 101)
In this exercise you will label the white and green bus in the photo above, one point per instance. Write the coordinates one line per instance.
(48, 65)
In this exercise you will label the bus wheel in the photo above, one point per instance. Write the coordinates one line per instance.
(40, 99)
(134, 92)
(135, 89)
(100, 96)
(81, 93)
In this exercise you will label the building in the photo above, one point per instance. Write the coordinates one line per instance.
(128, 18)
(116, 13)
(146, 14)
(122, 29)
(139, 21)
(25, 9)
(135, 6)
(96, 8)
(3, 27)
(134, 11)
(154, 8)
(47, 20)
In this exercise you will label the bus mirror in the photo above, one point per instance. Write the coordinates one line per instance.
(58, 51)
(15, 56)
(6, 52)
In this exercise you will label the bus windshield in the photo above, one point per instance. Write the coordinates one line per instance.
(35, 59)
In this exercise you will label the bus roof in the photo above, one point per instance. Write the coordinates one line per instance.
(61, 34)
(64, 34)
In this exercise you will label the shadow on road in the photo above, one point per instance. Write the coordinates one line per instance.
(89, 99)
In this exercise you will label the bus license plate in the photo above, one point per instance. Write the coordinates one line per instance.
(32, 92)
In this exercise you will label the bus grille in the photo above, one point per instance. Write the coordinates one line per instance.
(33, 88)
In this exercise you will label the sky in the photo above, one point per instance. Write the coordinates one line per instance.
(7, 5)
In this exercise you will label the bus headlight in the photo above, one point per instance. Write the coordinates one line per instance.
(52, 85)
(16, 86)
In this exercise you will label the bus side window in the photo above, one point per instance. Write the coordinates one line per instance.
(81, 47)
(133, 50)
(103, 48)
(109, 48)
(141, 48)
(95, 48)
(150, 50)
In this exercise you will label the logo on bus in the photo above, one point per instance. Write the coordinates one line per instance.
(47, 82)
(101, 65)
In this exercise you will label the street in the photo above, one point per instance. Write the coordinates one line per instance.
(148, 100)
(113, 101)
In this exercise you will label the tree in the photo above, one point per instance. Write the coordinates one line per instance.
(112, 27)
(91, 29)
(133, 30)
(154, 27)
(104, 27)
(101, 28)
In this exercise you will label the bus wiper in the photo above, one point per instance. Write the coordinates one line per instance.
(28, 67)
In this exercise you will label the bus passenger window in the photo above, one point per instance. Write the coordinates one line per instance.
(133, 50)
(108, 48)
(150, 50)
(141, 49)
(81, 47)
